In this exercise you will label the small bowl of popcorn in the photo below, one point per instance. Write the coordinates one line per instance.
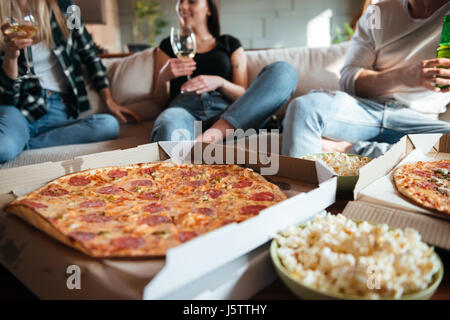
(333, 257)
(345, 165)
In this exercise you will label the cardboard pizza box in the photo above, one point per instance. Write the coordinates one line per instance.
(377, 199)
(229, 263)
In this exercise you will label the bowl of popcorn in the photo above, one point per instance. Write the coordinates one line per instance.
(345, 165)
(333, 257)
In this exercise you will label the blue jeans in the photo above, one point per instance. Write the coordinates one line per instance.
(272, 88)
(372, 126)
(53, 129)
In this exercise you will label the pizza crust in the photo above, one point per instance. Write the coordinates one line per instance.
(38, 221)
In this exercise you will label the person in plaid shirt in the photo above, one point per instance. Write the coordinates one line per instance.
(43, 112)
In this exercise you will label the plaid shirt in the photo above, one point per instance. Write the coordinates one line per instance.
(71, 53)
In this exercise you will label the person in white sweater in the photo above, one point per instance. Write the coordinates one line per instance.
(388, 85)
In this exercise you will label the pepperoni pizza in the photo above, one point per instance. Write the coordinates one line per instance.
(426, 183)
(143, 210)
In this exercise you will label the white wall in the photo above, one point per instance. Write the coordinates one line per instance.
(268, 23)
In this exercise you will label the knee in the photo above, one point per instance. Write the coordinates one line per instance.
(303, 107)
(12, 114)
(9, 148)
(175, 117)
(9, 110)
(283, 73)
(106, 127)
(173, 124)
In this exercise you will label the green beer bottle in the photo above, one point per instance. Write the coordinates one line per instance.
(444, 47)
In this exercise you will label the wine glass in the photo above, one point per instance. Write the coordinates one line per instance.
(183, 42)
(23, 22)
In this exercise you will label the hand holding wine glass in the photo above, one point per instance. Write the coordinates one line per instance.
(183, 43)
(14, 41)
(19, 31)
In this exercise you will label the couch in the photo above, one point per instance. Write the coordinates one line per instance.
(131, 82)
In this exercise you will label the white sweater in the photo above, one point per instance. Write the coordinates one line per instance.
(394, 41)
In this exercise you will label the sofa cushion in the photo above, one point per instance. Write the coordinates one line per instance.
(131, 81)
(317, 68)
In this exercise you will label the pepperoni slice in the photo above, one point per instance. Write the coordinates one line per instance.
(187, 235)
(109, 190)
(141, 183)
(444, 165)
(263, 196)
(252, 210)
(82, 235)
(196, 183)
(127, 243)
(151, 196)
(117, 174)
(92, 204)
(153, 208)
(95, 218)
(426, 185)
(33, 204)
(242, 184)
(78, 181)
(148, 171)
(155, 220)
(422, 173)
(215, 176)
(189, 173)
(55, 192)
(214, 193)
(205, 211)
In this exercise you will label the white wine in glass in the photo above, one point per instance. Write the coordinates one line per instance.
(25, 22)
(183, 43)
(30, 31)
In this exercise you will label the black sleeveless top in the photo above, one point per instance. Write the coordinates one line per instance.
(216, 62)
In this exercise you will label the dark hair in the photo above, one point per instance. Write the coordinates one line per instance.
(214, 19)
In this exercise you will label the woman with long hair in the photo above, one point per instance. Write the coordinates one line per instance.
(43, 111)
(217, 92)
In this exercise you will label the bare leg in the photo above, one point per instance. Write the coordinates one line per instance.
(217, 132)
(336, 146)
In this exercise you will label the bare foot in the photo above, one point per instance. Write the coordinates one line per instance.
(336, 146)
(217, 132)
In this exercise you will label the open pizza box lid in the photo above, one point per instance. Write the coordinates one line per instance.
(229, 263)
(377, 199)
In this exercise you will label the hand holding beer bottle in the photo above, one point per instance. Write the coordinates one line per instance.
(433, 74)
(443, 52)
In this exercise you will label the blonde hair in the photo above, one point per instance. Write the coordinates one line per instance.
(42, 11)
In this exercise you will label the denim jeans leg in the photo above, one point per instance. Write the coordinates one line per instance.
(371, 149)
(94, 128)
(399, 121)
(272, 88)
(177, 121)
(57, 128)
(214, 104)
(14, 133)
(173, 124)
(334, 115)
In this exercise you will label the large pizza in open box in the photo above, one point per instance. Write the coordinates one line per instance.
(143, 210)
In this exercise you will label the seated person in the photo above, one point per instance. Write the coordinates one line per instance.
(388, 79)
(42, 112)
(217, 91)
